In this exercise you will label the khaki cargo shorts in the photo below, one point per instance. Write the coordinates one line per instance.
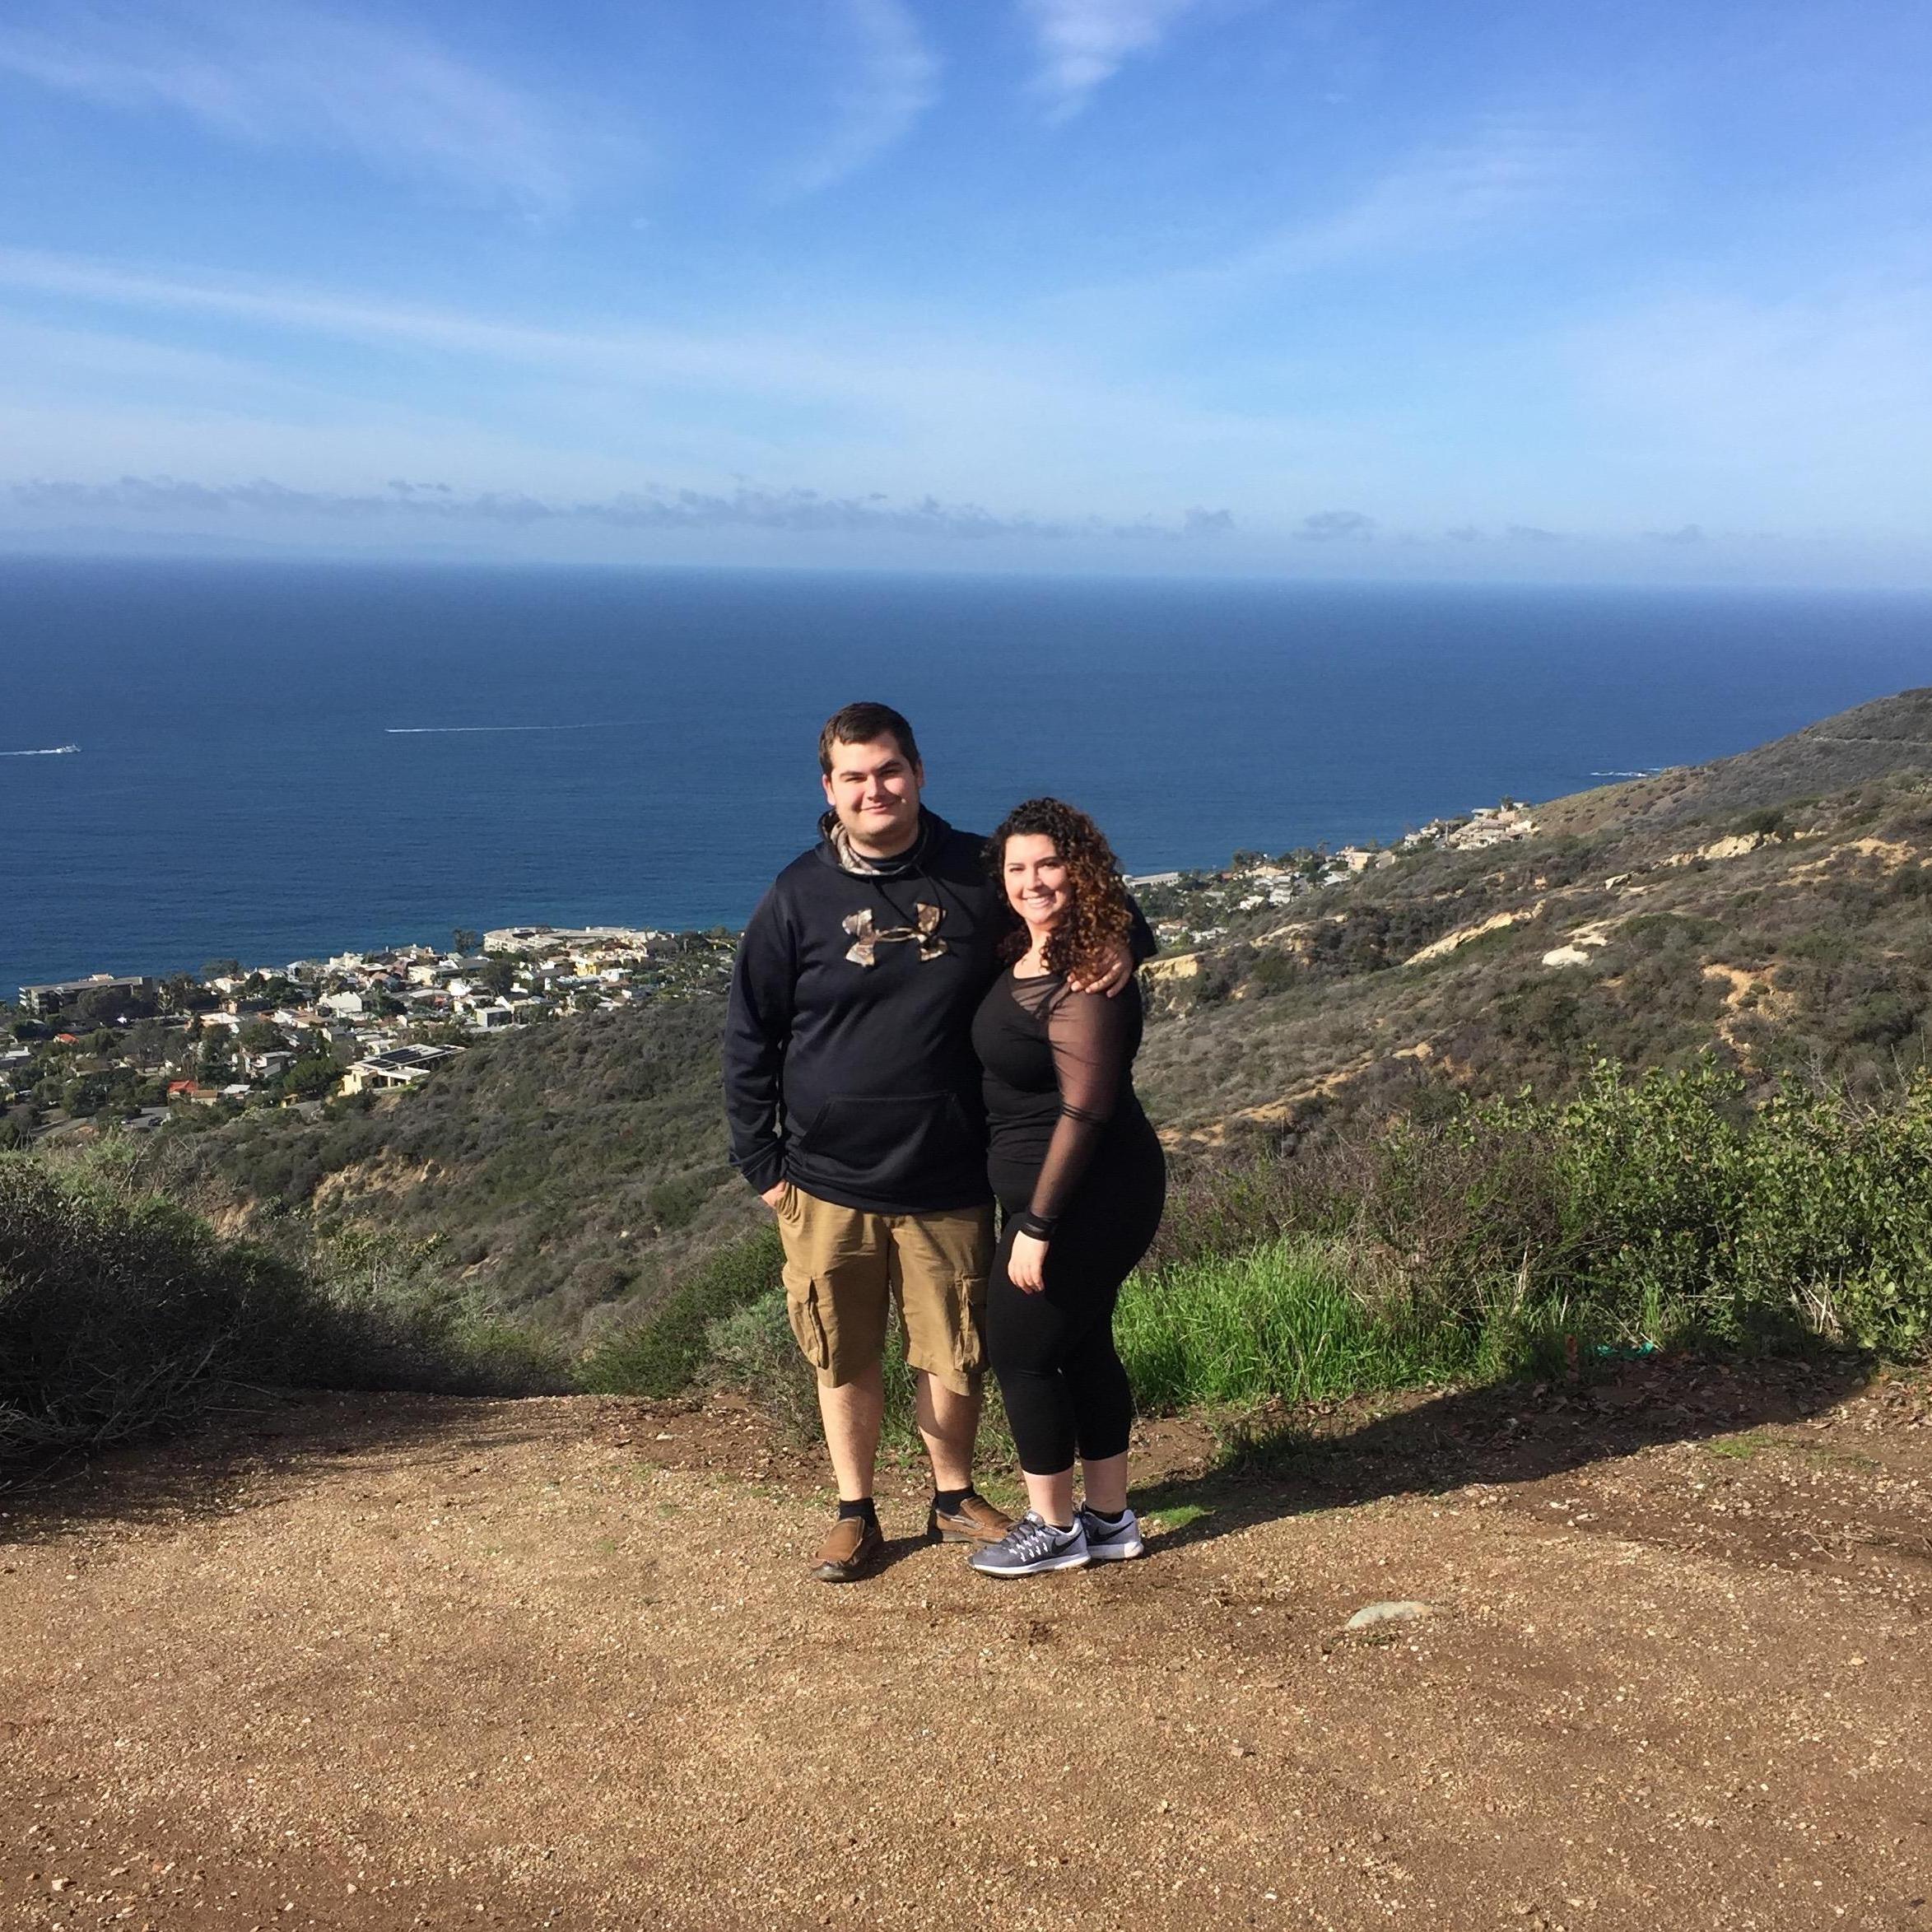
(843, 1266)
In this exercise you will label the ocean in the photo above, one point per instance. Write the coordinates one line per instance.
(277, 761)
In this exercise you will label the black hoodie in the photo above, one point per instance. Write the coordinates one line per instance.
(849, 1066)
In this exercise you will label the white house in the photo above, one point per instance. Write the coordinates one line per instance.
(396, 1067)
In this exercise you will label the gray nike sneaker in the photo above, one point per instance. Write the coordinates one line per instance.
(1112, 1543)
(1031, 1546)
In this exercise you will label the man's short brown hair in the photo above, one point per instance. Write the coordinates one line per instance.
(865, 724)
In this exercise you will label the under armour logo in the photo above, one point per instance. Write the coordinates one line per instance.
(866, 939)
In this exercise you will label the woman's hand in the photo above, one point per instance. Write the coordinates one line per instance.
(1113, 978)
(1026, 1266)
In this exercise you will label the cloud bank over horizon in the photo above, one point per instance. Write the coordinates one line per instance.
(661, 508)
(1319, 286)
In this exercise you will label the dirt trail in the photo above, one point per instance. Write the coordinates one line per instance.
(395, 1662)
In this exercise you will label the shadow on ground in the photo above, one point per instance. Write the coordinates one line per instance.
(1276, 1462)
(1283, 1462)
(222, 1464)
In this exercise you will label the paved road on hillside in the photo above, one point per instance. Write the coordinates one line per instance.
(363, 1663)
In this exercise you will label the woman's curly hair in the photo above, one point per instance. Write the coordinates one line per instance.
(1090, 935)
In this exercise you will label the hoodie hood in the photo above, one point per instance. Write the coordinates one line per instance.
(834, 849)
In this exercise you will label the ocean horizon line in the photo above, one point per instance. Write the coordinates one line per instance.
(1030, 577)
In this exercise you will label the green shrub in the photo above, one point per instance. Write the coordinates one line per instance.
(675, 1204)
(751, 1347)
(669, 1349)
(122, 1313)
(397, 1321)
(1277, 972)
(1666, 1210)
(1661, 1210)
(119, 1316)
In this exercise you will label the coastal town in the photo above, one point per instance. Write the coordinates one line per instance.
(185, 1051)
(1191, 909)
(191, 1049)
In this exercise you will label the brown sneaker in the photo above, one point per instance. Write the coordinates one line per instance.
(975, 1521)
(854, 1547)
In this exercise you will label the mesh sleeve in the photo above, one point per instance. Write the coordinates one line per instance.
(1092, 1039)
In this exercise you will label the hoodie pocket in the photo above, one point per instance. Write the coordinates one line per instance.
(891, 1135)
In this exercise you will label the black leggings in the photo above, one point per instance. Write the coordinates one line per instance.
(1065, 1391)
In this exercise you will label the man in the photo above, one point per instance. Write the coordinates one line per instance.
(854, 1101)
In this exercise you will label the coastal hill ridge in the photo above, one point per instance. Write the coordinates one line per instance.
(1769, 907)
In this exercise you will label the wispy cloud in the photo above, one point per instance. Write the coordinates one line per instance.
(1442, 196)
(1084, 43)
(882, 404)
(808, 512)
(640, 354)
(39, 351)
(1502, 179)
(281, 72)
(895, 80)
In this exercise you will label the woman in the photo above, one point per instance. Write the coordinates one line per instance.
(1080, 1178)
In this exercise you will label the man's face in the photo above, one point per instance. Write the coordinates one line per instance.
(874, 790)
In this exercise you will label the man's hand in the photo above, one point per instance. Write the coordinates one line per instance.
(1026, 1266)
(1115, 979)
(773, 1195)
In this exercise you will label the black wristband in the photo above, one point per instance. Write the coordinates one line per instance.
(1036, 1225)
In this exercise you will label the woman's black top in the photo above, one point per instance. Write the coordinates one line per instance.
(1059, 1089)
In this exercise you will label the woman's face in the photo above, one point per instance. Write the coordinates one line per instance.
(1037, 887)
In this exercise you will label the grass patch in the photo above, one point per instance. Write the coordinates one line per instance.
(1284, 1320)
(1177, 1517)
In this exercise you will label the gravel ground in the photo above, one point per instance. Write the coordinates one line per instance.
(397, 1662)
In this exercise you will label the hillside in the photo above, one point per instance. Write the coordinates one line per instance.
(1771, 906)
(1791, 938)
(1775, 907)
(1889, 735)
(560, 1170)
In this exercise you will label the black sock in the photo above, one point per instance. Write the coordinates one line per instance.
(1112, 1522)
(862, 1508)
(947, 1502)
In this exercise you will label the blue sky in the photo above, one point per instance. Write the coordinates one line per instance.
(1620, 290)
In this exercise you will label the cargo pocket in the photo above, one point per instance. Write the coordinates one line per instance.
(968, 1323)
(807, 1319)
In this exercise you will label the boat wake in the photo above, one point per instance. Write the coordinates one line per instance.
(43, 752)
